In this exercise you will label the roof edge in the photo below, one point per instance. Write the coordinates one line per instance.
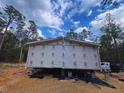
(61, 38)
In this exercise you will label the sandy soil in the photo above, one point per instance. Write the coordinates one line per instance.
(14, 80)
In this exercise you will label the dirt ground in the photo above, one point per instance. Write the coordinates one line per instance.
(15, 80)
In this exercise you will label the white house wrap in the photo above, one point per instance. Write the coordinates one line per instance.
(63, 53)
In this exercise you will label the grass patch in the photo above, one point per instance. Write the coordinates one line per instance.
(10, 65)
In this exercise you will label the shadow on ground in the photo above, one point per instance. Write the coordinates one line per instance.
(99, 82)
(86, 79)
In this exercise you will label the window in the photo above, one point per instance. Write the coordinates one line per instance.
(85, 64)
(74, 55)
(41, 61)
(63, 54)
(42, 54)
(96, 64)
(32, 53)
(52, 62)
(95, 55)
(84, 55)
(63, 63)
(31, 62)
(75, 64)
(52, 54)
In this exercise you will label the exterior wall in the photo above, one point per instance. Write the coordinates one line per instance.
(63, 55)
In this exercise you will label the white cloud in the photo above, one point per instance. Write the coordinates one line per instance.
(47, 18)
(87, 4)
(117, 13)
(78, 30)
(83, 6)
(88, 40)
(77, 22)
(40, 33)
(72, 12)
(1, 4)
(61, 34)
(41, 11)
(53, 32)
(90, 12)
(64, 5)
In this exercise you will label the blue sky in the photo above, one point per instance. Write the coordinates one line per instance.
(56, 17)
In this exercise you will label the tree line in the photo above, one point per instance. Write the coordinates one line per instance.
(14, 34)
(112, 42)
